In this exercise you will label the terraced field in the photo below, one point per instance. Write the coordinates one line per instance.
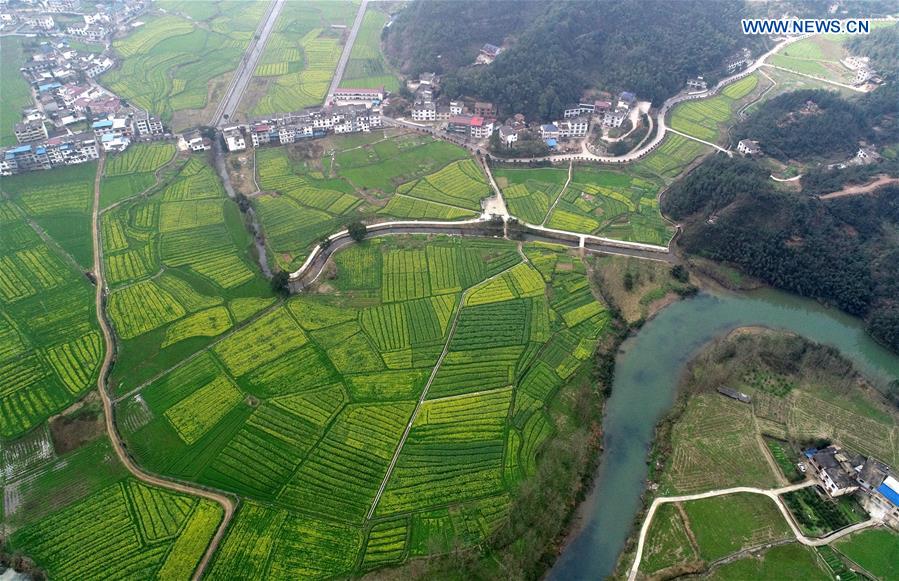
(707, 119)
(133, 171)
(300, 57)
(182, 59)
(300, 205)
(178, 269)
(367, 67)
(300, 410)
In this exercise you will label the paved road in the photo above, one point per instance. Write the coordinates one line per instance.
(247, 67)
(773, 494)
(347, 49)
(99, 302)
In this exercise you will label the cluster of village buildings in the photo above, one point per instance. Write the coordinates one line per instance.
(349, 111)
(842, 472)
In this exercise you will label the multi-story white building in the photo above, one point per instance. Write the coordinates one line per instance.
(573, 128)
(234, 139)
(424, 111)
(363, 96)
(30, 132)
(146, 125)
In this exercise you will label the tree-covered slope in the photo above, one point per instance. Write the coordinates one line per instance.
(561, 48)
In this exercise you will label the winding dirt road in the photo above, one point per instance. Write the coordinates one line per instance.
(109, 343)
(773, 494)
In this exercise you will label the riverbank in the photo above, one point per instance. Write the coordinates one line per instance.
(771, 366)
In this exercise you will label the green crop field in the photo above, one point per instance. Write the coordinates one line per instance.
(422, 177)
(175, 262)
(79, 516)
(876, 550)
(725, 524)
(818, 56)
(791, 561)
(16, 93)
(668, 543)
(705, 118)
(300, 57)
(50, 345)
(301, 410)
(607, 203)
(529, 193)
(669, 160)
(367, 67)
(173, 64)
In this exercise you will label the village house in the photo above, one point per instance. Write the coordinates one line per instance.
(601, 107)
(456, 108)
(614, 118)
(507, 135)
(30, 132)
(483, 109)
(471, 125)
(837, 469)
(748, 147)
(697, 84)
(488, 54)
(579, 109)
(146, 125)
(573, 128)
(57, 151)
(627, 98)
(734, 394)
(234, 139)
(866, 156)
(739, 60)
(193, 141)
(549, 131)
(42, 21)
(424, 111)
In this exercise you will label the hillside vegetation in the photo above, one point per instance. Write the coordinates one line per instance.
(842, 251)
(558, 49)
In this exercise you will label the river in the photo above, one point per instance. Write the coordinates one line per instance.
(647, 370)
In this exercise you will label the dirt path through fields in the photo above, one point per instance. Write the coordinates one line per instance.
(226, 503)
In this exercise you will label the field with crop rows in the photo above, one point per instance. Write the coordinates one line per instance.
(171, 63)
(705, 118)
(367, 67)
(601, 202)
(50, 347)
(669, 160)
(529, 193)
(301, 410)
(140, 158)
(298, 209)
(300, 57)
(175, 262)
(111, 525)
(300, 205)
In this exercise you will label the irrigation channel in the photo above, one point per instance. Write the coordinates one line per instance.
(647, 370)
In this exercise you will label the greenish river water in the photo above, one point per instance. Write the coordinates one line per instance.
(647, 372)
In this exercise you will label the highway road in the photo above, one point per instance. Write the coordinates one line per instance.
(347, 49)
(240, 80)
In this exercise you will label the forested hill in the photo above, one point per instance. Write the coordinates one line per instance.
(560, 48)
(444, 35)
(842, 251)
